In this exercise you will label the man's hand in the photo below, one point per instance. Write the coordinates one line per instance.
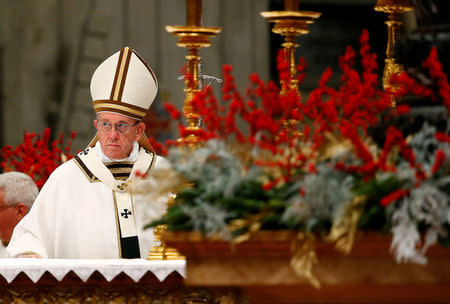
(31, 255)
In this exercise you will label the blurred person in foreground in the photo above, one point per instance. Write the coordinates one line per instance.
(91, 206)
(17, 194)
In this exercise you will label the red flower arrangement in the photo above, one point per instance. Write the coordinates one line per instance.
(36, 155)
(317, 156)
(283, 123)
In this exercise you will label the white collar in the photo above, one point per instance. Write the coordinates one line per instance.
(105, 159)
(92, 160)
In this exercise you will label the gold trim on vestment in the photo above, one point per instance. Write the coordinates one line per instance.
(153, 160)
(89, 175)
(120, 168)
(117, 224)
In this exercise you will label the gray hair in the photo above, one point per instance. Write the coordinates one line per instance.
(18, 188)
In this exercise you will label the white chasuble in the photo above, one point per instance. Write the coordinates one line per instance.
(91, 210)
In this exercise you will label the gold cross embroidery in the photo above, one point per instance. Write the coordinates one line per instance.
(122, 186)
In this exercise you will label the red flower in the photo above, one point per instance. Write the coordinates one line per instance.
(140, 174)
(269, 185)
(312, 168)
(401, 109)
(439, 160)
(442, 137)
(172, 110)
(393, 196)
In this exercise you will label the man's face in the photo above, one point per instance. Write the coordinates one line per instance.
(114, 144)
(9, 217)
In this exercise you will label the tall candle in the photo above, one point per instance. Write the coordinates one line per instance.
(291, 5)
(194, 12)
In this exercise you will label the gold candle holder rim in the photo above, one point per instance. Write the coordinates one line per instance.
(291, 14)
(190, 29)
(393, 8)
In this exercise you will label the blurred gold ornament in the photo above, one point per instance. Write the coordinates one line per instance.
(304, 257)
(334, 146)
(343, 231)
(252, 223)
(394, 8)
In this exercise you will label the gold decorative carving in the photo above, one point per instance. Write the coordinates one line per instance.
(90, 294)
(391, 67)
(201, 296)
(219, 295)
(394, 8)
(226, 299)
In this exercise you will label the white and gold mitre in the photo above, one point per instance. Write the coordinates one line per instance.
(124, 84)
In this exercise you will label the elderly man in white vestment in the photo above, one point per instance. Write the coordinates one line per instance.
(89, 207)
(17, 194)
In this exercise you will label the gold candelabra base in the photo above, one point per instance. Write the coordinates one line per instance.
(162, 252)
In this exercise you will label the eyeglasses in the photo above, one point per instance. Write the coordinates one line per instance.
(121, 127)
(6, 207)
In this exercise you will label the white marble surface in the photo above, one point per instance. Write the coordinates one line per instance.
(135, 268)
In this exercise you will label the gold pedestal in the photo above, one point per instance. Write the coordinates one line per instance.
(162, 252)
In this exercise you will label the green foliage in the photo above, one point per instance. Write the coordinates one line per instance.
(377, 188)
(374, 215)
(249, 199)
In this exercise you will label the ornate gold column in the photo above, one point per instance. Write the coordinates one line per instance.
(192, 36)
(394, 8)
(291, 23)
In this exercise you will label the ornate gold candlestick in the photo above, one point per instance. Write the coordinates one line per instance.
(192, 36)
(291, 23)
(394, 8)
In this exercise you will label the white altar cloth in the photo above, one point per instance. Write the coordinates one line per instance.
(135, 268)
